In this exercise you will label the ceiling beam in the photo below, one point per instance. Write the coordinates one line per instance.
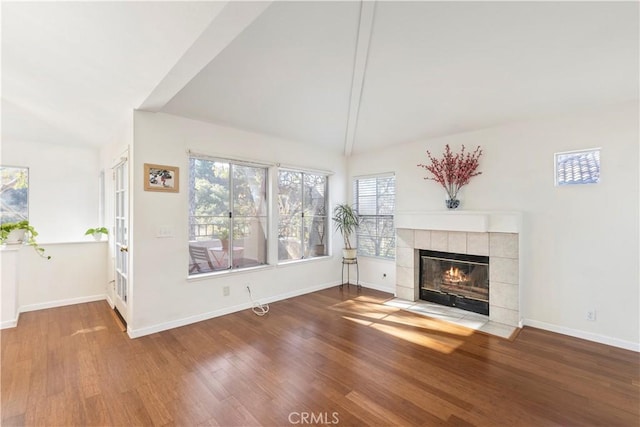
(233, 19)
(365, 26)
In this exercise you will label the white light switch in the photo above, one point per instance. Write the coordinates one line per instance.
(165, 231)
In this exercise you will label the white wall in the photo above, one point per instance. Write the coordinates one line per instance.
(76, 272)
(63, 187)
(161, 294)
(580, 242)
(63, 203)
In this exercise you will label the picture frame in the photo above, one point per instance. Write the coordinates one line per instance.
(161, 178)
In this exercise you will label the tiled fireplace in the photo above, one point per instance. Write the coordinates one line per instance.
(487, 234)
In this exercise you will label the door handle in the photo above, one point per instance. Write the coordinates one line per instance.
(124, 249)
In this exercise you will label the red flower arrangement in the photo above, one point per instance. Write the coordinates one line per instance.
(453, 170)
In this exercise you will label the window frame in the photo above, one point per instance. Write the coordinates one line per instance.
(231, 208)
(325, 225)
(377, 217)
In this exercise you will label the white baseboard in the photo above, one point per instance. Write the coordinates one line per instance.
(389, 289)
(140, 332)
(61, 303)
(589, 336)
(10, 323)
(109, 301)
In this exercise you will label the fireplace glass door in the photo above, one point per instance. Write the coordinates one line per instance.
(456, 280)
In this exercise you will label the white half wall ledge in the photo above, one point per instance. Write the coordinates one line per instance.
(471, 221)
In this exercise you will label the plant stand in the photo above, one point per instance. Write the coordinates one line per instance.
(349, 262)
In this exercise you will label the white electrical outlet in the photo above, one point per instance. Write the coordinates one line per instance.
(591, 315)
(226, 291)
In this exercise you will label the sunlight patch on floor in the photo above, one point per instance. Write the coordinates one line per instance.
(88, 330)
(360, 321)
(408, 319)
(441, 344)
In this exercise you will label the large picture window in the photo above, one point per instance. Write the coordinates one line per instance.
(375, 199)
(302, 201)
(228, 215)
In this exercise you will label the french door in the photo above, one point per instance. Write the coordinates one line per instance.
(121, 228)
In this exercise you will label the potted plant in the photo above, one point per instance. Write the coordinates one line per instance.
(97, 232)
(346, 221)
(223, 235)
(21, 232)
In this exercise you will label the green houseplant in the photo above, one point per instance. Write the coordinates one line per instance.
(97, 232)
(21, 232)
(346, 221)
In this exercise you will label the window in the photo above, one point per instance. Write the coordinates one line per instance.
(302, 201)
(14, 194)
(227, 215)
(578, 167)
(375, 202)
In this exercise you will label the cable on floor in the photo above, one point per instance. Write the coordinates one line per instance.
(257, 308)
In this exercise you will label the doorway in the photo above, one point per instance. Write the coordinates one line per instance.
(121, 240)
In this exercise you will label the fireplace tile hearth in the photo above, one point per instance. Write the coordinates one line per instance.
(467, 319)
(502, 248)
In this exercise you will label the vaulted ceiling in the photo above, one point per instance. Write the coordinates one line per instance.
(351, 76)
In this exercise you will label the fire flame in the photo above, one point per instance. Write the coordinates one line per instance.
(455, 275)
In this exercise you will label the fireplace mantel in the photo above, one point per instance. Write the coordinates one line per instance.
(471, 221)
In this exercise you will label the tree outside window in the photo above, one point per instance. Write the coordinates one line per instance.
(14, 194)
(302, 201)
(228, 212)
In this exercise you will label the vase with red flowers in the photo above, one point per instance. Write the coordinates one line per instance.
(453, 171)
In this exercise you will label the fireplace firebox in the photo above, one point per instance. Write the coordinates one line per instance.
(455, 280)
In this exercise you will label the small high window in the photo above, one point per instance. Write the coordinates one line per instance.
(578, 167)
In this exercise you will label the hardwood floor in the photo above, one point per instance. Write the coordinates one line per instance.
(331, 357)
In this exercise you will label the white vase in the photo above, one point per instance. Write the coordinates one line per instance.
(97, 236)
(349, 253)
(15, 237)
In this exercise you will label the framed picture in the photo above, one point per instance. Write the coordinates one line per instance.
(14, 194)
(161, 178)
